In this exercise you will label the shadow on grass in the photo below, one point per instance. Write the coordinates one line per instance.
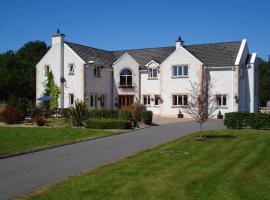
(219, 136)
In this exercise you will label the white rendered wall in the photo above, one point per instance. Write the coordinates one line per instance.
(170, 86)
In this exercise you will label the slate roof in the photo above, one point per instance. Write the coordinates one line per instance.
(215, 54)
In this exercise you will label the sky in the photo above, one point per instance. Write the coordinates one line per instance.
(118, 24)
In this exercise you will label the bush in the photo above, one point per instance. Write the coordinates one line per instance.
(36, 112)
(12, 115)
(108, 124)
(65, 112)
(78, 114)
(147, 117)
(103, 114)
(238, 120)
(125, 115)
(40, 120)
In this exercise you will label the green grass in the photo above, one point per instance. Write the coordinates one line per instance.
(58, 122)
(233, 164)
(14, 140)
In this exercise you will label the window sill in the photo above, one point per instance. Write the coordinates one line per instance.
(156, 106)
(222, 107)
(71, 74)
(149, 78)
(97, 76)
(175, 77)
(180, 106)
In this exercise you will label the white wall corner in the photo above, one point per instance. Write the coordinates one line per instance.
(240, 52)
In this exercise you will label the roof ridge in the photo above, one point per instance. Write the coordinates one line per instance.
(89, 47)
(115, 51)
(213, 43)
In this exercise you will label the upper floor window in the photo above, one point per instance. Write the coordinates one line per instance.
(221, 100)
(180, 100)
(71, 69)
(146, 99)
(152, 73)
(126, 78)
(179, 71)
(96, 71)
(47, 69)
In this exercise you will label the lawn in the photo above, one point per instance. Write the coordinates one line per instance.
(14, 140)
(231, 164)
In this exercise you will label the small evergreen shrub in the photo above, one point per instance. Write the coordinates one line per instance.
(147, 117)
(40, 120)
(125, 115)
(65, 112)
(238, 120)
(108, 124)
(12, 115)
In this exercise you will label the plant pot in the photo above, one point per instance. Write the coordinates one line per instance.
(220, 116)
(180, 115)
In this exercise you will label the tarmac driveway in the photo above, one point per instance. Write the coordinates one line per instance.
(24, 173)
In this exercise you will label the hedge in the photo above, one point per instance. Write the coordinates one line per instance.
(238, 120)
(147, 117)
(110, 114)
(108, 124)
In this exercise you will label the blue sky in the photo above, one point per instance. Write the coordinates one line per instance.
(116, 24)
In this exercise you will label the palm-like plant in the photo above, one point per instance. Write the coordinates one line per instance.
(78, 114)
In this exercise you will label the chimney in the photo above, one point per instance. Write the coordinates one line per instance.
(58, 42)
(179, 42)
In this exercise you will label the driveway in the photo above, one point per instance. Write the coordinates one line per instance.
(24, 173)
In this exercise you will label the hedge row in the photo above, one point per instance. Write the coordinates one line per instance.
(110, 114)
(108, 124)
(238, 120)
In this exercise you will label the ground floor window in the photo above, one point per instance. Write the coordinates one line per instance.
(71, 99)
(97, 100)
(221, 100)
(157, 100)
(180, 100)
(146, 99)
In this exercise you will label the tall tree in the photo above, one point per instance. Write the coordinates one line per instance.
(264, 82)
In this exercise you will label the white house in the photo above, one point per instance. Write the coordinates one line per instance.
(157, 77)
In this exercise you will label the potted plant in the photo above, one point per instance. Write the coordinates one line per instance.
(219, 116)
(180, 115)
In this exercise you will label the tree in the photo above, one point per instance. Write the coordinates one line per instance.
(52, 90)
(202, 102)
(264, 83)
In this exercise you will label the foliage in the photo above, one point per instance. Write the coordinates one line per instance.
(264, 83)
(12, 115)
(78, 114)
(108, 124)
(125, 115)
(40, 120)
(201, 100)
(52, 90)
(110, 114)
(65, 112)
(18, 74)
(238, 120)
(36, 112)
(147, 117)
(137, 111)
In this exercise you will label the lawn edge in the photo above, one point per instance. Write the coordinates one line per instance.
(70, 143)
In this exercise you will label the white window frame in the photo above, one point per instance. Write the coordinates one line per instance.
(71, 103)
(71, 72)
(222, 97)
(180, 69)
(148, 99)
(150, 73)
(178, 97)
(97, 71)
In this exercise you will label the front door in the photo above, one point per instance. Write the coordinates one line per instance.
(125, 100)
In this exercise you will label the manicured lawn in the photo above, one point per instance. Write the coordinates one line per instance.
(233, 164)
(58, 122)
(14, 140)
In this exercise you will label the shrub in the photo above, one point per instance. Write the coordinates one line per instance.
(125, 115)
(247, 120)
(40, 120)
(103, 114)
(147, 117)
(36, 112)
(78, 114)
(137, 111)
(12, 115)
(108, 124)
(65, 112)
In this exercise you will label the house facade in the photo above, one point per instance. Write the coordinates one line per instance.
(159, 78)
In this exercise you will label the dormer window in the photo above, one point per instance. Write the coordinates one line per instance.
(96, 72)
(179, 71)
(71, 69)
(152, 73)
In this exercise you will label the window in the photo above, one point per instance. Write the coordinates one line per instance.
(126, 78)
(96, 72)
(178, 71)
(157, 100)
(152, 73)
(71, 99)
(146, 99)
(71, 69)
(93, 100)
(180, 100)
(221, 100)
(102, 101)
(47, 69)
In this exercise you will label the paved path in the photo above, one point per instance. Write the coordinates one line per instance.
(26, 172)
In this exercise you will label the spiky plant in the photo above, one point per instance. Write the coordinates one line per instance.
(78, 114)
